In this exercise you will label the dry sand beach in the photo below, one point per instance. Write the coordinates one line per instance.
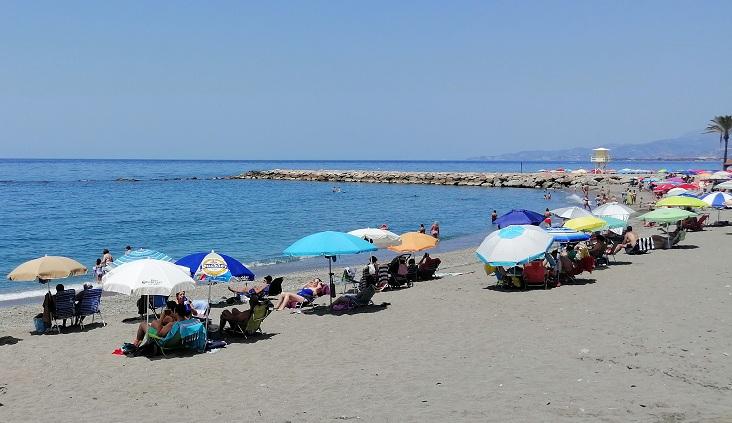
(648, 339)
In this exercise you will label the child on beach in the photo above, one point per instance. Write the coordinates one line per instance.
(98, 270)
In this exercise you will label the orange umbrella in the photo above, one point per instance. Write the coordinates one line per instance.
(414, 241)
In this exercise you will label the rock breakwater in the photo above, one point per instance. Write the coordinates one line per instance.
(543, 180)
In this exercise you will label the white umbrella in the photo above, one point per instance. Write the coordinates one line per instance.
(616, 210)
(570, 212)
(515, 244)
(675, 191)
(724, 185)
(380, 237)
(718, 176)
(148, 277)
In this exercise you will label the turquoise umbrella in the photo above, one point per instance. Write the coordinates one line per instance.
(142, 253)
(614, 223)
(329, 244)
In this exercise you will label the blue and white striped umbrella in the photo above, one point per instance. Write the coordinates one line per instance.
(142, 253)
(563, 235)
(513, 245)
(717, 199)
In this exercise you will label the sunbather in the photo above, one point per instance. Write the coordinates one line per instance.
(162, 326)
(630, 241)
(307, 293)
(256, 290)
(427, 266)
(236, 316)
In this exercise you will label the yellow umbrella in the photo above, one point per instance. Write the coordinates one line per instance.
(47, 267)
(681, 201)
(414, 241)
(585, 223)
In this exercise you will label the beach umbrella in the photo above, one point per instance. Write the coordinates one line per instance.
(214, 267)
(414, 241)
(379, 237)
(724, 185)
(570, 212)
(513, 245)
(675, 179)
(615, 210)
(718, 176)
(666, 215)
(519, 217)
(46, 268)
(676, 191)
(680, 201)
(148, 277)
(614, 223)
(563, 235)
(329, 244)
(587, 223)
(717, 199)
(141, 253)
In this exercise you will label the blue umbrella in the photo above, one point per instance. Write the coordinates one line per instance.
(563, 235)
(329, 244)
(142, 253)
(716, 199)
(235, 267)
(519, 217)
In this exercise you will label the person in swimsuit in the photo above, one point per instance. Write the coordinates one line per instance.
(106, 257)
(494, 216)
(421, 228)
(435, 230)
(630, 241)
(162, 326)
(258, 289)
(307, 293)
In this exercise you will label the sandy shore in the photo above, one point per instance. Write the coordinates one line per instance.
(648, 339)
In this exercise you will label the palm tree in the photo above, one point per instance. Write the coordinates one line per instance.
(723, 126)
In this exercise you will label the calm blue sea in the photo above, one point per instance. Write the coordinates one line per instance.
(76, 208)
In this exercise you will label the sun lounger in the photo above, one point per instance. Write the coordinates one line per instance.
(260, 310)
(189, 334)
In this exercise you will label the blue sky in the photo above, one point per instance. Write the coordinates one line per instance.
(350, 80)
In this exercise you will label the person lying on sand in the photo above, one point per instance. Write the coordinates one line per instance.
(162, 326)
(307, 293)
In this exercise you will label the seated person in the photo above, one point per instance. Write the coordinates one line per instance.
(307, 293)
(427, 266)
(572, 253)
(181, 298)
(236, 316)
(630, 242)
(49, 304)
(256, 290)
(669, 240)
(160, 327)
(366, 290)
(599, 246)
(412, 270)
(79, 297)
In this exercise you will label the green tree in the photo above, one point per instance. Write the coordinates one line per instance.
(721, 125)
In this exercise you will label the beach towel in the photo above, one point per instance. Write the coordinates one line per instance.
(646, 244)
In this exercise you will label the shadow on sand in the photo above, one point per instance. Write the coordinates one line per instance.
(9, 340)
(72, 329)
(322, 310)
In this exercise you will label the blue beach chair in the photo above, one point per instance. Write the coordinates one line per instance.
(89, 305)
(64, 307)
(189, 334)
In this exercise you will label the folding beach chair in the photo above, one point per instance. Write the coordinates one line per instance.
(89, 305)
(535, 274)
(260, 310)
(64, 307)
(188, 334)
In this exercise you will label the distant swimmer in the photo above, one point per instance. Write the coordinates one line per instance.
(421, 228)
(494, 216)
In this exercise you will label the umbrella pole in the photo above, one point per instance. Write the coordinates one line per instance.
(209, 304)
(330, 275)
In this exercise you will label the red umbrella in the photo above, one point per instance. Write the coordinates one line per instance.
(689, 186)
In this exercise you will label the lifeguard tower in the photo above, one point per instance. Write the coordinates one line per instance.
(600, 157)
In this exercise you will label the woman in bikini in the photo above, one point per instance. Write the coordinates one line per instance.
(311, 290)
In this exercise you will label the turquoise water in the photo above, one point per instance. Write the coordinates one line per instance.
(76, 208)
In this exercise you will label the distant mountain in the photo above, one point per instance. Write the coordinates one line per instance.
(690, 146)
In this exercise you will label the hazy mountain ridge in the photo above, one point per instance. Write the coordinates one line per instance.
(690, 146)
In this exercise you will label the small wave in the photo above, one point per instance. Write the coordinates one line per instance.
(274, 260)
(574, 198)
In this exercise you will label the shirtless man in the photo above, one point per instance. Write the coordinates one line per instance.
(630, 240)
(162, 326)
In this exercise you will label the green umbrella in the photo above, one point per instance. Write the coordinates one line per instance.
(681, 201)
(614, 223)
(666, 215)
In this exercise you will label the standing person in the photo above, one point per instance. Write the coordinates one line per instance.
(371, 271)
(98, 270)
(586, 203)
(421, 228)
(128, 249)
(494, 216)
(435, 230)
(106, 257)
(547, 218)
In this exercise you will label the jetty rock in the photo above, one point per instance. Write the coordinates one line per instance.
(537, 180)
